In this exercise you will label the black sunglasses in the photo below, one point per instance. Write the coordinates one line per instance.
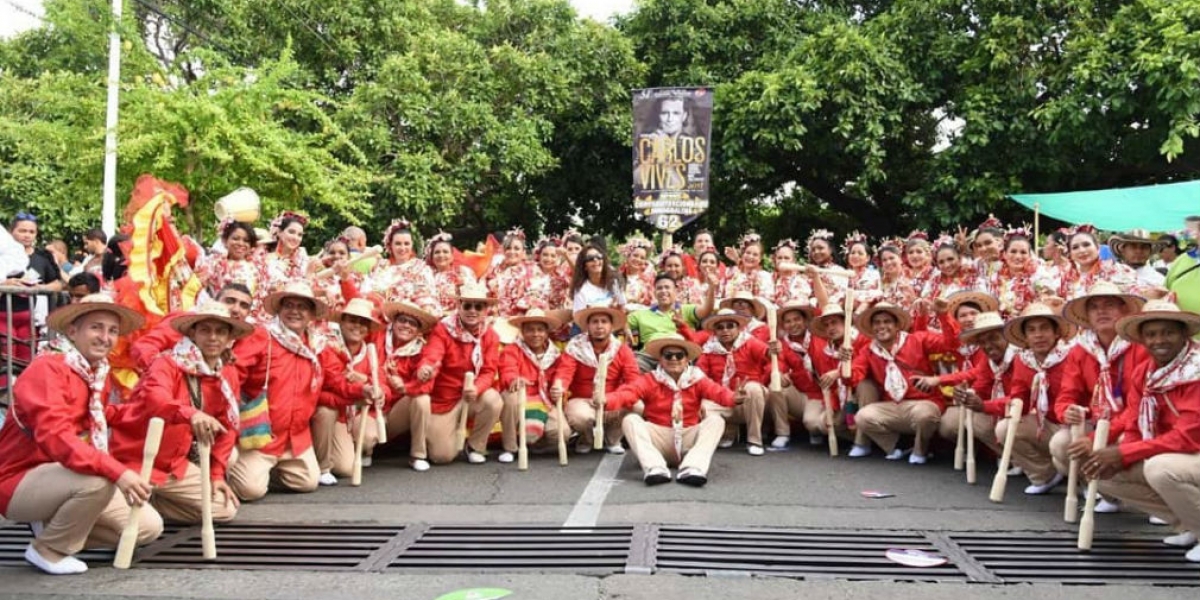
(674, 355)
(474, 305)
(725, 325)
(592, 258)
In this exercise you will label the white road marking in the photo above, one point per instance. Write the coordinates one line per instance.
(587, 509)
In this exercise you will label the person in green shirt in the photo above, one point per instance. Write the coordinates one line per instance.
(666, 317)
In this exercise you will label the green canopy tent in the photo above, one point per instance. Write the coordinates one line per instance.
(1152, 207)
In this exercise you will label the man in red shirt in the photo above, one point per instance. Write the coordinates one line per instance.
(577, 371)
(402, 348)
(1152, 462)
(801, 396)
(192, 389)
(671, 430)
(462, 342)
(896, 361)
(234, 296)
(529, 363)
(55, 470)
(738, 362)
(984, 388)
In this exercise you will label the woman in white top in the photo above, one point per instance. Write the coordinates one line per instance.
(595, 281)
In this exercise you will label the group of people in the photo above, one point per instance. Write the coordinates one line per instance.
(290, 370)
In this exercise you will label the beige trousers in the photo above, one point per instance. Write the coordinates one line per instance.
(1166, 486)
(985, 428)
(441, 435)
(1030, 451)
(250, 475)
(77, 511)
(654, 445)
(884, 422)
(749, 412)
(409, 414)
(581, 417)
(510, 423)
(178, 500)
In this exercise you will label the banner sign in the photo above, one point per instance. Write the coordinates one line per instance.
(672, 134)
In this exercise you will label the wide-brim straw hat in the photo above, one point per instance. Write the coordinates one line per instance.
(903, 319)
(1075, 311)
(616, 314)
(211, 311)
(1016, 336)
(62, 318)
(535, 315)
(474, 292)
(296, 289)
(1157, 310)
(1133, 236)
(985, 301)
(820, 323)
(408, 309)
(363, 309)
(803, 307)
(760, 309)
(725, 314)
(656, 346)
(984, 323)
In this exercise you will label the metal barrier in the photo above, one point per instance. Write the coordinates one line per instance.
(13, 365)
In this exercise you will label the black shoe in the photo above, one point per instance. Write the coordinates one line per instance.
(657, 477)
(691, 477)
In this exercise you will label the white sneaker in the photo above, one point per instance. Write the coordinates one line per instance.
(617, 449)
(816, 439)
(476, 458)
(419, 465)
(1181, 540)
(67, 566)
(327, 479)
(1193, 555)
(366, 461)
(505, 457)
(1016, 472)
(1105, 506)
(1036, 490)
(1157, 521)
(725, 443)
(582, 447)
(916, 459)
(897, 454)
(36, 528)
(859, 451)
(780, 442)
(755, 450)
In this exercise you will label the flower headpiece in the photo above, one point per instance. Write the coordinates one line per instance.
(1087, 228)
(634, 243)
(785, 243)
(224, 225)
(515, 232)
(341, 239)
(440, 236)
(820, 235)
(546, 242)
(277, 222)
(675, 250)
(855, 237)
(917, 235)
(946, 240)
(1017, 232)
(397, 225)
(990, 223)
(749, 238)
(893, 245)
(569, 232)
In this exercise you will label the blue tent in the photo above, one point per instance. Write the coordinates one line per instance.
(1152, 207)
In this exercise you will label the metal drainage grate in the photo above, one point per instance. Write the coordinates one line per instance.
(14, 537)
(596, 550)
(274, 546)
(852, 555)
(1018, 558)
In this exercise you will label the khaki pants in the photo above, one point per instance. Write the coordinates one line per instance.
(750, 412)
(1166, 486)
(77, 511)
(1030, 451)
(1060, 443)
(788, 403)
(581, 416)
(884, 422)
(985, 428)
(510, 423)
(333, 442)
(866, 393)
(178, 500)
(654, 445)
(250, 476)
(409, 414)
(441, 434)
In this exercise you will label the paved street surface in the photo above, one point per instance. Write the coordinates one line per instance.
(801, 488)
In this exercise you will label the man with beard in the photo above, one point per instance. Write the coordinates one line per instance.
(577, 372)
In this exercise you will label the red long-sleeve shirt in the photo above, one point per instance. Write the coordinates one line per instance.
(982, 381)
(451, 359)
(1022, 386)
(658, 398)
(1082, 372)
(1174, 433)
(792, 363)
(751, 362)
(516, 364)
(913, 360)
(579, 378)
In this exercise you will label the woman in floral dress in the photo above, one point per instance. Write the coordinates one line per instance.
(403, 277)
(448, 274)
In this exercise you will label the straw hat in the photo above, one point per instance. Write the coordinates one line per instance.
(296, 289)
(820, 323)
(903, 320)
(616, 314)
(984, 323)
(406, 308)
(535, 315)
(655, 347)
(985, 301)
(62, 318)
(363, 309)
(760, 309)
(1157, 310)
(1133, 236)
(211, 311)
(474, 292)
(802, 307)
(263, 235)
(725, 314)
(1013, 329)
(1076, 310)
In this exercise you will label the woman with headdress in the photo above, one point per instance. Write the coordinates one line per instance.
(403, 276)
(448, 273)
(820, 255)
(986, 247)
(514, 259)
(286, 259)
(637, 274)
(236, 262)
(865, 278)
(1085, 267)
(1022, 279)
(953, 272)
(671, 263)
(918, 258)
(895, 286)
(537, 284)
(747, 274)
(572, 245)
(791, 286)
(334, 280)
(706, 262)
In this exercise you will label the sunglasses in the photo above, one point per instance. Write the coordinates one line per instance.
(408, 322)
(674, 355)
(725, 325)
(592, 258)
(474, 306)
